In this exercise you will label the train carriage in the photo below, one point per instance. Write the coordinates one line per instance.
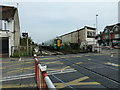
(55, 44)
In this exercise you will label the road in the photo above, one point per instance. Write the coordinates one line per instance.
(88, 70)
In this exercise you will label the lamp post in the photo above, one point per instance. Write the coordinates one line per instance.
(96, 24)
(97, 30)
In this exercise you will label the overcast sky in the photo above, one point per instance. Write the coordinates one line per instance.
(46, 20)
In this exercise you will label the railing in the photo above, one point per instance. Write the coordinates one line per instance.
(43, 80)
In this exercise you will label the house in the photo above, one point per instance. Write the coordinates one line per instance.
(9, 30)
(110, 36)
(82, 37)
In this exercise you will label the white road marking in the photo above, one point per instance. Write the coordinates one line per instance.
(16, 78)
(33, 75)
(19, 76)
(61, 71)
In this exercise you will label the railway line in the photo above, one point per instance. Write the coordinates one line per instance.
(106, 81)
(70, 69)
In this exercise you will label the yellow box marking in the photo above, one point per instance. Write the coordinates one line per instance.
(87, 55)
(76, 82)
(20, 69)
(10, 65)
(58, 85)
(18, 63)
(77, 56)
(89, 58)
(112, 64)
(79, 63)
(55, 62)
(47, 58)
(59, 68)
(17, 86)
(66, 67)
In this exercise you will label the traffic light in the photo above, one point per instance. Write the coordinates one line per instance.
(25, 34)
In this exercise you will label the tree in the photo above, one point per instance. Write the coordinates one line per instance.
(23, 41)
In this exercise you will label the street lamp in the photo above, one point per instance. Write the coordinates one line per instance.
(97, 29)
(96, 24)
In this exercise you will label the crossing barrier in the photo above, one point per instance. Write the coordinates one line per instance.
(43, 80)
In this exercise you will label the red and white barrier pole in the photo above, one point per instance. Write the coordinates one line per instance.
(43, 81)
(48, 81)
(36, 65)
(46, 78)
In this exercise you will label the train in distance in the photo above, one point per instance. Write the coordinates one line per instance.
(55, 44)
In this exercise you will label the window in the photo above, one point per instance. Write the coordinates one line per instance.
(0, 24)
(106, 30)
(106, 37)
(111, 31)
(117, 36)
(116, 29)
(90, 33)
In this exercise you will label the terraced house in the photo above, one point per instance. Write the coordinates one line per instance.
(9, 29)
(111, 35)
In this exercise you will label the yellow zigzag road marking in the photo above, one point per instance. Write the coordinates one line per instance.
(76, 82)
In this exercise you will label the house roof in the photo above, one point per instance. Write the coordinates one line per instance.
(7, 12)
(110, 27)
(80, 30)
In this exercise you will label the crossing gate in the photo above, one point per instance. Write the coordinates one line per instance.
(43, 80)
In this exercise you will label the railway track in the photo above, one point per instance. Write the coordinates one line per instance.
(106, 81)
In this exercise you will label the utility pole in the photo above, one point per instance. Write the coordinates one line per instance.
(27, 46)
(26, 36)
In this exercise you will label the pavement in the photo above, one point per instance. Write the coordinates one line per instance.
(66, 71)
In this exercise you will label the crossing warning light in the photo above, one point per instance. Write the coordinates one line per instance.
(25, 34)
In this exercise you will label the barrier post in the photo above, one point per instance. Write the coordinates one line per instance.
(43, 81)
(36, 65)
